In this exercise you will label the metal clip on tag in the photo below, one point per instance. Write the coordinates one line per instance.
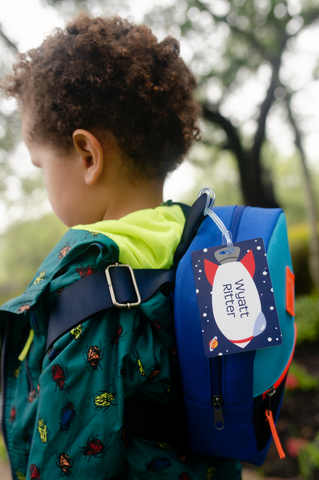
(227, 240)
(227, 255)
(112, 293)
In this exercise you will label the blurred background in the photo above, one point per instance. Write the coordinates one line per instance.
(257, 66)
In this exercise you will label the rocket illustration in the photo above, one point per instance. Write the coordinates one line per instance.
(235, 299)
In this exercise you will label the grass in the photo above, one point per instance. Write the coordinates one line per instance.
(3, 452)
(307, 318)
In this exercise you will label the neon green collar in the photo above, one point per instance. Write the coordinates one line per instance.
(146, 238)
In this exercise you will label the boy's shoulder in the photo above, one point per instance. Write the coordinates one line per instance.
(72, 246)
(132, 240)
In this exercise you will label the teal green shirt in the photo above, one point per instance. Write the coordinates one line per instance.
(64, 409)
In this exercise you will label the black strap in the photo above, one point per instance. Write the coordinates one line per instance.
(194, 219)
(91, 295)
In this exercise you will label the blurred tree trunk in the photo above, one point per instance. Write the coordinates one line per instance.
(312, 213)
(255, 181)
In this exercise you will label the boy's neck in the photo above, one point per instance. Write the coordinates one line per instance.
(133, 197)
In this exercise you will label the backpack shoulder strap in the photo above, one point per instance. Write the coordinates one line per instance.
(92, 294)
(194, 218)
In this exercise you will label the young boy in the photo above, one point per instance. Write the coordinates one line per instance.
(107, 113)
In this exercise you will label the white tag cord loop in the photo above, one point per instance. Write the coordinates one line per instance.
(226, 234)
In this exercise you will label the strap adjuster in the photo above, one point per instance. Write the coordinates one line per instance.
(111, 289)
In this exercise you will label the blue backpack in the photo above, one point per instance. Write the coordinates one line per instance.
(227, 397)
(231, 401)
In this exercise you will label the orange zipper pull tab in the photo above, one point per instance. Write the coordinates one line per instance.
(272, 425)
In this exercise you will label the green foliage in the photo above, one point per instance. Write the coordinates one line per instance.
(217, 168)
(299, 246)
(308, 459)
(218, 172)
(307, 318)
(229, 40)
(22, 249)
(305, 380)
(9, 120)
(288, 183)
(17, 187)
(298, 235)
(3, 452)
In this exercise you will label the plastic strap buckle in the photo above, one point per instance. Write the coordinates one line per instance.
(111, 288)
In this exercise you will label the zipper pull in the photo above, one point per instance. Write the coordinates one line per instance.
(27, 346)
(272, 425)
(217, 402)
(270, 419)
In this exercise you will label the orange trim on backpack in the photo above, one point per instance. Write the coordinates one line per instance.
(290, 292)
(284, 373)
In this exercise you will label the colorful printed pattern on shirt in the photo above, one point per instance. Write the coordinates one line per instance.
(65, 408)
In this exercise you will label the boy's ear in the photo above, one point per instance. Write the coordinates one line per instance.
(91, 152)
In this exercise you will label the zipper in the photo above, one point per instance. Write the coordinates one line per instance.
(31, 390)
(217, 398)
(216, 363)
(6, 338)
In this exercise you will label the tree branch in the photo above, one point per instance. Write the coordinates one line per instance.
(234, 143)
(264, 110)
(310, 16)
(255, 191)
(244, 33)
(7, 41)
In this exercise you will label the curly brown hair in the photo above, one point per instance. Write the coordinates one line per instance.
(108, 73)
